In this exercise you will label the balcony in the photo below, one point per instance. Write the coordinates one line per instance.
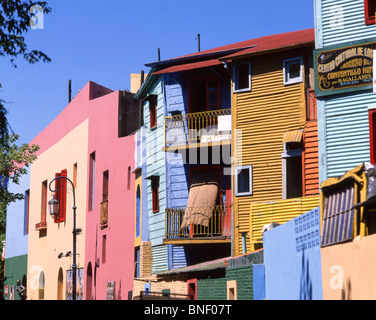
(198, 129)
(218, 229)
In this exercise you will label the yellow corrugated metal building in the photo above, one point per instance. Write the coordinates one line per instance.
(268, 110)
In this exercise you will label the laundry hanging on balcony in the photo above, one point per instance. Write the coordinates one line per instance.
(203, 195)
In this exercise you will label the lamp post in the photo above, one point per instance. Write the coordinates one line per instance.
(53, 205)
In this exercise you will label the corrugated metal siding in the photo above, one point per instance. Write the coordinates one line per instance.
(155, 164)
(311, 159)
(178, 257)
(160, 258)
(262, 213)
(353, 27)
(263, 115)
(347, 132)
(338, 217)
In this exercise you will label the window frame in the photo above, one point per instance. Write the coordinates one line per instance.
(286, 63)
(237, 171)
(236, 77)
(368, 19)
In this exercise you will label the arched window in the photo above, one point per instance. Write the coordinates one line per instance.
(41, 285)
(60, 285)
(89, 282)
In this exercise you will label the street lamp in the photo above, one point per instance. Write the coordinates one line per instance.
(53, 206)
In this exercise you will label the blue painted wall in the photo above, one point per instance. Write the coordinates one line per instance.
(16, 224)
(292, 259)
(258, 281)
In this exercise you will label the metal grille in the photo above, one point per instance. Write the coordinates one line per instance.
(195, 128)
(217, 223)
(338, 216)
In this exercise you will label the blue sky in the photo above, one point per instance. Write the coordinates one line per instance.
(106, 41)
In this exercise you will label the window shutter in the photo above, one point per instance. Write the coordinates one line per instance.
(57, 195)
(63, 196)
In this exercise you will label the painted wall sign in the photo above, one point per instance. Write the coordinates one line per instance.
(344, 69)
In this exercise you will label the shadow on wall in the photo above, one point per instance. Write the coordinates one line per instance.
(346, 291)
(305, 280)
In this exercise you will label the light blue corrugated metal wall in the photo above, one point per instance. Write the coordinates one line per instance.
(347, 132)
(341, 21)
(155, 164)
(160, 258)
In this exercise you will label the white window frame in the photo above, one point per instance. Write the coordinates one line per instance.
(237, 170)
(236, 76)
(286, 64)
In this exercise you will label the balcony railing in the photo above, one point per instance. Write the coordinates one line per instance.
(199, 127)
(219, 224)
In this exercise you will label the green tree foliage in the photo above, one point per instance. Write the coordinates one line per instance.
(15, 17)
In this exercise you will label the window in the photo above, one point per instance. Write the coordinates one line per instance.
(232, 292)
(242, 77)
(369, 11)
(137, 262)
(243, 181)
(105, 185)
(41, 286)
(138, 211)
(204, 94)
(292, 171)
(155, 193)
(75, 175)
(104, 248)
(26, 212)
(192, 288)
(91, 181)
(43, 202)
(129, 178)
(293, 70)
(153, 102)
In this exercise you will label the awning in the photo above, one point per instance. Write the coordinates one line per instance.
(293, 136)
(204, 266)
(190, 66)
(202, 198)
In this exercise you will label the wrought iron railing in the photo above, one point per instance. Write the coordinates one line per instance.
(219, 223)
(198, 127)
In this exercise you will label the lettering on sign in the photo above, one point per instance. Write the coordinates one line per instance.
(345, 68)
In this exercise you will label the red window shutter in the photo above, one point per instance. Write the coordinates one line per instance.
(63, 196)
(153, 101)
(57, 195)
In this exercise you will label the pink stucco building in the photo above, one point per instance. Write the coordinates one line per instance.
(92, 141)
(109, 254)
